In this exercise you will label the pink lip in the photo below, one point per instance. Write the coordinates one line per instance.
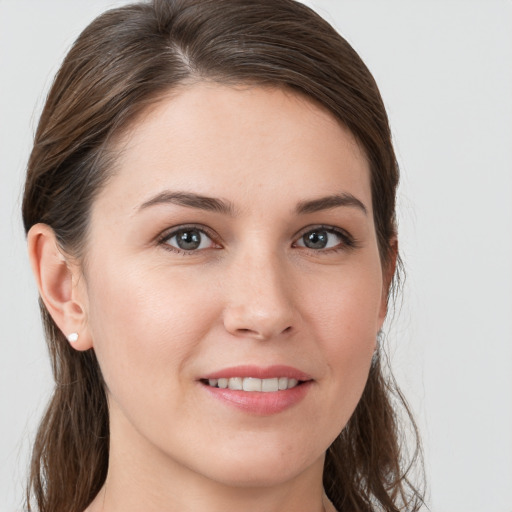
(259, 372)
(260, 403)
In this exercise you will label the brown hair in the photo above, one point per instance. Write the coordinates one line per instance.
(125, 60)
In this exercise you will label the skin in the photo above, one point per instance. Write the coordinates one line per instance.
(253, 293)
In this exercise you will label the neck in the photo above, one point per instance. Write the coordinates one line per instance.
(128, 493)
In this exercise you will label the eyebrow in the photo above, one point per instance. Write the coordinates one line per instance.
(198, 201)
(328, 202)
(225, 207)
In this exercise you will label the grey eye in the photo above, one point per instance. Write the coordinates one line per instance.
(190, 239)
(319, 239)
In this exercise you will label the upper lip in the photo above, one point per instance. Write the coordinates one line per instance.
(259, 372)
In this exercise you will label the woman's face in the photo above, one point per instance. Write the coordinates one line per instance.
(234, 246)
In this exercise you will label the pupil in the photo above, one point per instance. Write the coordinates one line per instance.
(188, 240)
(315, 239)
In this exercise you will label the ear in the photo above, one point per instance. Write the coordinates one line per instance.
(59, 283)
(388, 271)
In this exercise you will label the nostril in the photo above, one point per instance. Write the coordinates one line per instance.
(243, 331)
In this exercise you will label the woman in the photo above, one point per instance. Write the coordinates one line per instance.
(210, 215)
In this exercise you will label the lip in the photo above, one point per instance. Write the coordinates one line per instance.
(259, 403)
(259, 372)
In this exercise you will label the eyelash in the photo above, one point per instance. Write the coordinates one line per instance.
(168, 235)
(348, 242)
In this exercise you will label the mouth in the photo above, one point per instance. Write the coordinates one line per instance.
(258, 390)
(254, 384)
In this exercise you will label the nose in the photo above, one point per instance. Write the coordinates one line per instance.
(259, 302)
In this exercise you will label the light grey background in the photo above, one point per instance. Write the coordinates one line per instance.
(445, 72)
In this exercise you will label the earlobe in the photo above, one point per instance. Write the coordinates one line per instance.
(57, 281)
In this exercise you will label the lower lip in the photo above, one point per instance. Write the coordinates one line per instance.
(261, 403)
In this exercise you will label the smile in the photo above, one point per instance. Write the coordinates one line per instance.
(254, 384)
(258, 390)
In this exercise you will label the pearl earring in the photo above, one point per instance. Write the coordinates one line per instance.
(73, 337)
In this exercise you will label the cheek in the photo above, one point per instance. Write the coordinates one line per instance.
(345, 315)
(142, 320)
(346, 304)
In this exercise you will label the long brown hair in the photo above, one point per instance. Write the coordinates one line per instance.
(125, 60)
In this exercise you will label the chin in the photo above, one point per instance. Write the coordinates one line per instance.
(264, 468)
(251, 477)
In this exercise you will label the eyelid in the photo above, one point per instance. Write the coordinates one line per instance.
(348, 241)
(169, 233)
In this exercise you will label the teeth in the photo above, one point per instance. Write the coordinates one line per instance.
(270, 385)
(235, 383)
(251, 384)
(254, 384)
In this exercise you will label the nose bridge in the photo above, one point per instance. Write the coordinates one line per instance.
(259, 302)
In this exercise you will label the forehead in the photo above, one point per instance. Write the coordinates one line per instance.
(243, 143)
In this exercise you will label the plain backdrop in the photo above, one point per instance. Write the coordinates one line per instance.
(445, 72)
